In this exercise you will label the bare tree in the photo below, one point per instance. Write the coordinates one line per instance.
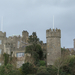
(63, 60)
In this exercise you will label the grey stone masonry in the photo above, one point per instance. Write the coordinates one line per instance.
(53, 45)
(74, 43)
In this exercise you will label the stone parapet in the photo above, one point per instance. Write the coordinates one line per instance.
(53, 33)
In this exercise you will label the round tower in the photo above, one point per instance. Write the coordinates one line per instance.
(74, 43)
(53, 45)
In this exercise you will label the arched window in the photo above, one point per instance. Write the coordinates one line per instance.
(0, 42)
(18, 44)
(0, 51)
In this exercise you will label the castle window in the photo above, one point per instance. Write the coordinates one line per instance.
(0, 41)
(18, 44)
(0, 51)
(19, 54)
(8, 51)
(47, 63)
(0, 64)
(47, 53)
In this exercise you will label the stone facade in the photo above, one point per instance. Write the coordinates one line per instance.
(53, 45)
(74, 43)
(15, 44)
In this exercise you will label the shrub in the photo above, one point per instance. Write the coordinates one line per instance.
(28, 68)
(8, 70)
(41, 63)
(42, 71)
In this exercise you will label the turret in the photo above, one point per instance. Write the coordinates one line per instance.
(53, 33)
(53, 45)
(25, 36)
(74, 43)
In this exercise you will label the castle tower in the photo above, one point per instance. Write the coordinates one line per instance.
(53, 45)
(74, 43)
(2, 37)
(25, 35)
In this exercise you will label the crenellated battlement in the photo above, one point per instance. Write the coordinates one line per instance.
(25, 34)
(3, 34)
(56, 30)
(53, 33)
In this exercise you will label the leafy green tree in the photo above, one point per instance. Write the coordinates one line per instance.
(52, 70)
(72, 65)
(8, 70)
(28, 68)
(69, 68)
(41, 63)
(33, 38)
(42, 71)
(36, 51)
(35, 48)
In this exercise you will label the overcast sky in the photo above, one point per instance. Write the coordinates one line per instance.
(37, 16)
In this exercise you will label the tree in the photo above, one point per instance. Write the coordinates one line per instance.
(69, 68)
(28, 68)
(35, 51)
(8, 70)
(72, 65)
(65, 51)
(41, 63)
(33, 38)
(52, 70)
(13, 61)
(42, 71)
(63, 60)
(6, 58)
(35, 48)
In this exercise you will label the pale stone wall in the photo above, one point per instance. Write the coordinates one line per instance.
(19, 63)
(2, 37)
(10, 44)
(74, 43)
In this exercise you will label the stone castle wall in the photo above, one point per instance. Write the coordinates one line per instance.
(17, 44)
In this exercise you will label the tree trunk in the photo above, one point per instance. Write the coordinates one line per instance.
(58, 72)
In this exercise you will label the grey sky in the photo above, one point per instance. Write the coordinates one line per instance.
(37, 15)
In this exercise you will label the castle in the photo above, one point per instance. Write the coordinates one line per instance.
(17, 44)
